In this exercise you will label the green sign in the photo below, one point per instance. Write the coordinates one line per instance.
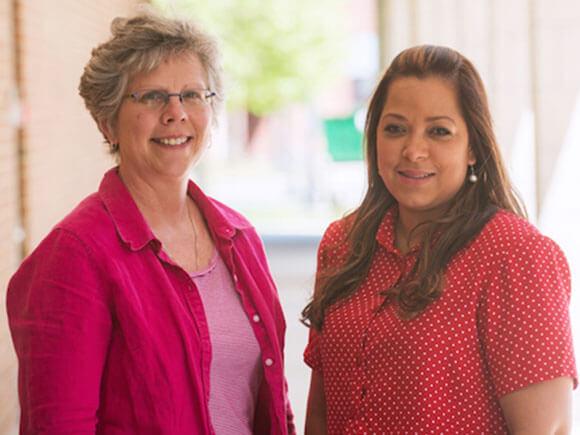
(344, 139)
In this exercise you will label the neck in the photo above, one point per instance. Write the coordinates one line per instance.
(405, 237)
(163, 200)
(402, 238)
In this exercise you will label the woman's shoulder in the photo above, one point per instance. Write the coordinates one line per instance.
(506, 227)
(86, 228)
(337, 231)
(68, 244)
(334, 245)
(509, 233)
(231, 215)
(88, 221)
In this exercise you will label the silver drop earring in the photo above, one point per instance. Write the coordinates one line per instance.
(472, 176)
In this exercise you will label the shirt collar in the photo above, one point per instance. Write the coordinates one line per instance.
(386, 232)
(128, 220)
(222, 221)
(132, 227)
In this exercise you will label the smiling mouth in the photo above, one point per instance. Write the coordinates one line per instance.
(172, 142)
(416, 175)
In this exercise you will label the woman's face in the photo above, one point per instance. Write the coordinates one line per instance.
(422, 147)
(165, 141)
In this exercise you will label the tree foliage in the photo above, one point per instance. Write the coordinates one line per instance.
(275, 51)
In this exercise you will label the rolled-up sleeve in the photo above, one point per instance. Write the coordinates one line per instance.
(60, 323)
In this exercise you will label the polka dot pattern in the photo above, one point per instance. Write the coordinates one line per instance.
(501, 324)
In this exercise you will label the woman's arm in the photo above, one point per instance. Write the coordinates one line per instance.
(524, 325)
(61, 325)
(316, 408)
(544, 408)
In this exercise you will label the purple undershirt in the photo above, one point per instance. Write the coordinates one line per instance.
(236, 369)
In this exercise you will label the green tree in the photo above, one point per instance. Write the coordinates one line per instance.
(275, 52)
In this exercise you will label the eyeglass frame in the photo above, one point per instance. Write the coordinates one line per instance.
(205, 101)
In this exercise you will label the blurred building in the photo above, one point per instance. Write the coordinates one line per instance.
(51, 154)
(524, 50)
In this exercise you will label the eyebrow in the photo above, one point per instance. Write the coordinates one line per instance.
(429, 119)
(150, 86)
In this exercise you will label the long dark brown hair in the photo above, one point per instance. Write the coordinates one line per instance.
(469, 210)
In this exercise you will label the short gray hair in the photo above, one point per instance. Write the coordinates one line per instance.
(138, 45)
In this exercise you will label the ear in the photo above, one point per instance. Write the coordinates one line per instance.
(107, 131)
(471, 160)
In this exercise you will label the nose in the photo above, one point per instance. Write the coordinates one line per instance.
(415, 148)
(173, 111)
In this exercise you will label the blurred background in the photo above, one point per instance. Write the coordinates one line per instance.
(287, 151)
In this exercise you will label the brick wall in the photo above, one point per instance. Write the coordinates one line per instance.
(8, 211)
(63, 156)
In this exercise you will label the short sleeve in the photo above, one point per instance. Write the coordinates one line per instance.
(524, 321)
(330, 253)
(312, 355)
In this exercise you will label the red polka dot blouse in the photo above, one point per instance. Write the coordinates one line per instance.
(502, 323)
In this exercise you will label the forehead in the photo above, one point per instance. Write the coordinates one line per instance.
(432, 96)
(175, 70)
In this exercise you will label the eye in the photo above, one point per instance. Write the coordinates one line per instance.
(439, 131)
(192, 96)
(394, 129)
(152, 97)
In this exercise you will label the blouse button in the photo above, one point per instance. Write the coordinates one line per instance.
(256, 318)
(268, 362)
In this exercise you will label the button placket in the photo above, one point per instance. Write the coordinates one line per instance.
(359, 375)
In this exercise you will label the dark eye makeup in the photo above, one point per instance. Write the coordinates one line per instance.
(394, 129)
(439, 131)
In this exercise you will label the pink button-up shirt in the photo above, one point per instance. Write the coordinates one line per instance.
(111, 335)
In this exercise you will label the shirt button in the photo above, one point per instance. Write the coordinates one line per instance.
(268, 362)
(235, 278)
(256, 318)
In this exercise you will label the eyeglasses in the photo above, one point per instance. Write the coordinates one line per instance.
(156, 99)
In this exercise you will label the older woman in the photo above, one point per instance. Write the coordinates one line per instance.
(150, 308)
(438, 308)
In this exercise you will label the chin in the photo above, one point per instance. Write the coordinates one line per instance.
(177, 171)
(417, 204)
